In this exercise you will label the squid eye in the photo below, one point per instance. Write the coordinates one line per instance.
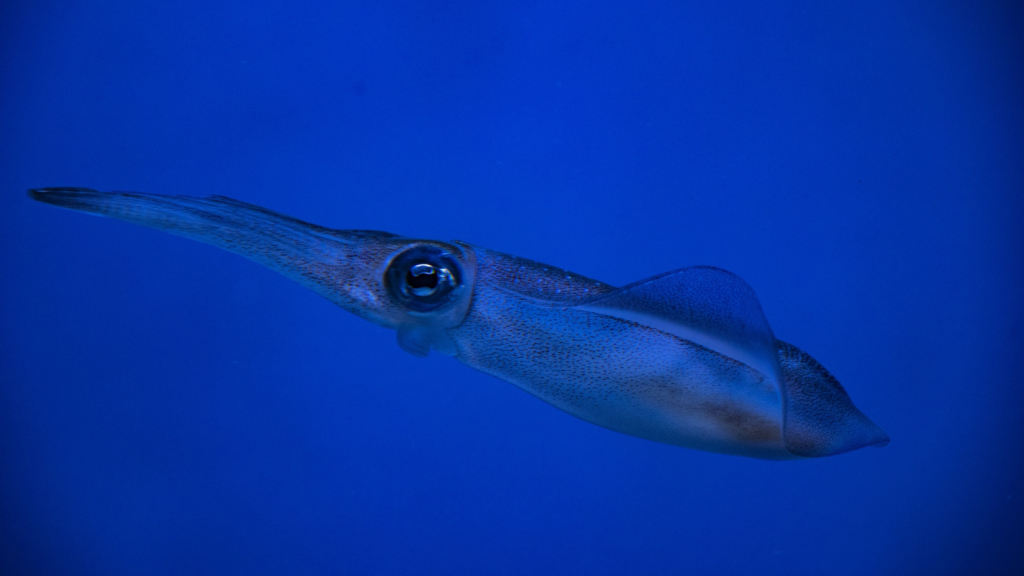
(423, 279)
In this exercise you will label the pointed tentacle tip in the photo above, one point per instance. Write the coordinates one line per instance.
(881, 440)
(871, 434)
(866, 433)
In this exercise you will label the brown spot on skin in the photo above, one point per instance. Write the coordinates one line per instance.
(746, 427)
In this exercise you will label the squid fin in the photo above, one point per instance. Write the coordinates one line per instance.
(719, 311)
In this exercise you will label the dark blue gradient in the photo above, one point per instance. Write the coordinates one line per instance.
(170, 408)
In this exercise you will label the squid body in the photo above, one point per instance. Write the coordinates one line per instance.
(685, 358)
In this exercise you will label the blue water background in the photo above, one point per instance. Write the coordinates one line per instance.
(170, 408)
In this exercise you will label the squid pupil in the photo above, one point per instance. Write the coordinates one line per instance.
(422, 278)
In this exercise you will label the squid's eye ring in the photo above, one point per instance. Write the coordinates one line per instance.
(423, 278)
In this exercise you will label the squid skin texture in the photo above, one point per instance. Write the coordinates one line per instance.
(685, 358)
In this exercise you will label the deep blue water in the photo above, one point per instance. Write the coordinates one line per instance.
(170, 408)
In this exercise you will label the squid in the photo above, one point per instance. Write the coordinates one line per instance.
(685, 358)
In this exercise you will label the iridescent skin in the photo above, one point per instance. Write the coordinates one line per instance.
(686, 358)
